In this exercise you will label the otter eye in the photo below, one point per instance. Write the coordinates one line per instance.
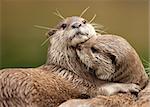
(94, 50)
(63, 26)
(84, 21)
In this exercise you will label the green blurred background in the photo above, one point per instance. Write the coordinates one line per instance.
(20, 42)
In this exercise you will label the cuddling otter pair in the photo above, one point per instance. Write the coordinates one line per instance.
(80, 64)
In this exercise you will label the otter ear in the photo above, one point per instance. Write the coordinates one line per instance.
(51, 32)
(113, 58)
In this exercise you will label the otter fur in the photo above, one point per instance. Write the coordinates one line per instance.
(62, 71)
(113, 59)
(48, 84)
(107, 55)
(33, 87)
(36, 86)
(118, 100)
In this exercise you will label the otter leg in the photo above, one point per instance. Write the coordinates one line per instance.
(113, 88)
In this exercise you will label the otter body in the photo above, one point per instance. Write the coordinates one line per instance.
(34, 87)
(62, 53)
(63, 76)
(113, 59)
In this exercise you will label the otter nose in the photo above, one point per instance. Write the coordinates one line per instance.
(76, 25)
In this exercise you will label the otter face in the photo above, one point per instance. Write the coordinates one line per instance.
(73, 30)
(95, 55)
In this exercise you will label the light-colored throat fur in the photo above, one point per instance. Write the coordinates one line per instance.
(62, 55)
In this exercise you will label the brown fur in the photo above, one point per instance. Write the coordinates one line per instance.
(62, 53)
(113, 59)
(62, 77)
(118, 100)
(51, 89)
(34, 87)
(63, 66)
(143, 97)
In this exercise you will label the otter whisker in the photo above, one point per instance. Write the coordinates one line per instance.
(97, 25)
(45, 41)
(92, 18)
(44, 27)
(104, 30)
(84, 11)
(57, 13)
(99, 28)
(100, 31)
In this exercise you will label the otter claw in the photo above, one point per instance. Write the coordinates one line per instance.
(134, 88)
(131, 88)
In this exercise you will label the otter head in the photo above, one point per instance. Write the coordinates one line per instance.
(95, 54)
(68, 33)
(72, 30)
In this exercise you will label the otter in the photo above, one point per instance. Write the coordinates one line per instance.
(70, 32)
(113, 59)
(63, 72)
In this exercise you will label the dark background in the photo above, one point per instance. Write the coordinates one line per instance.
(20, 42)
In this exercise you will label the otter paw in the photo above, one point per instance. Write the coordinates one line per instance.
(131, 88)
